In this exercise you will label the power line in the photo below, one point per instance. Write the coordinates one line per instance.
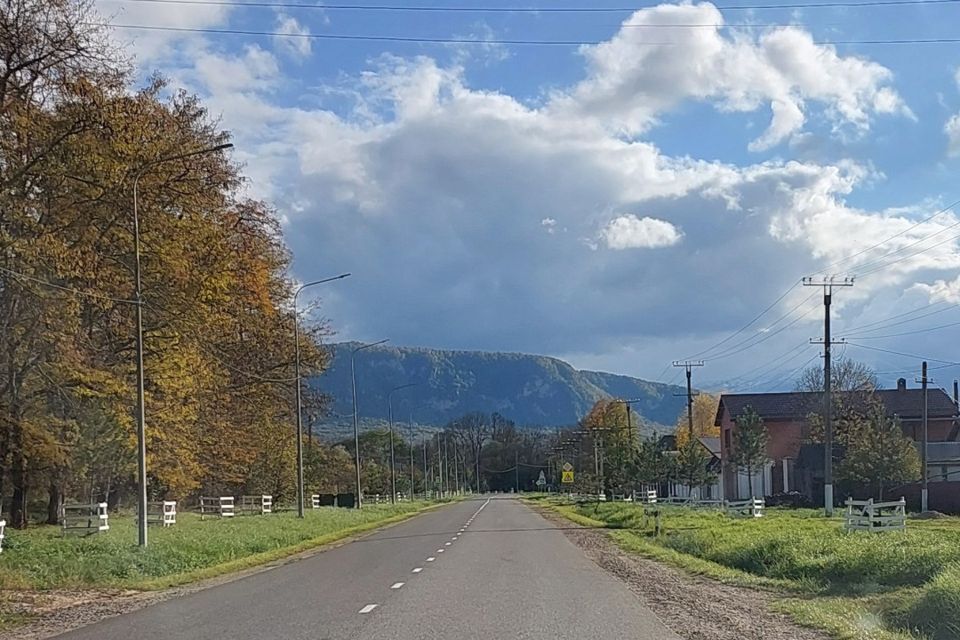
(535, 10)
(747, 326)
(763, 337)
(908, 333)
(899, 315)
(907, 355)
(895, 324)
(454, 40)
(61, 287)
(896, 235)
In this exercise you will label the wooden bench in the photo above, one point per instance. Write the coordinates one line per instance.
(221, 507)
(878, 517)
(752, 508)
(163, 513)
(261, 504)
(85, 519)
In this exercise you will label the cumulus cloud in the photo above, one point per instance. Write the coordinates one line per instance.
(952, 129)
(640, 73)
(630, 232)
(152, 46)
(435, 192)
(291, 40)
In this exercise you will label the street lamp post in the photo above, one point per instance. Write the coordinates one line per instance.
(393, 468)
(141, 412)
(296, 342)
(356, 426)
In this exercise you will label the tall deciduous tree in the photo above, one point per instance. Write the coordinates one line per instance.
(879, 454)
(704, 419)
(749, 444)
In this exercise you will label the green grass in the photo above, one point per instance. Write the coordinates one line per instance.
(855, 585)
(41, 558)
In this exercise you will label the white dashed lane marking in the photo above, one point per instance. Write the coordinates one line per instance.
(396, 585)
(439, 550)
(431, 559)
(369, 608)
(446, 544)
(418, 570)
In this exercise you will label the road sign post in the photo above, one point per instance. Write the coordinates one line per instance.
(566, 473)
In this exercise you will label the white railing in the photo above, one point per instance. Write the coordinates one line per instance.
(650, 497)
(315, 501)
(677, 501)
(867, 515)
(3, 525)
(219, 506)
(707, 504)
(163, 513)
(261, 504)
(85, 519)
(752, 508)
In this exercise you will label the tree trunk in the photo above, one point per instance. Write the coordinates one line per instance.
(18, 506)
(750, 480)
(53, 503)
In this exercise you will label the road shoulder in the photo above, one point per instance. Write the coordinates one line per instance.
(694, 607)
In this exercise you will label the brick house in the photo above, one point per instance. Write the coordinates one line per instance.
(796, 466)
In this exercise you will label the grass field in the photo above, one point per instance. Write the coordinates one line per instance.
(41, 558)
(857, 585)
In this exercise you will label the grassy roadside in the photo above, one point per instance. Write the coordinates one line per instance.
(40, 558)
(854, 585)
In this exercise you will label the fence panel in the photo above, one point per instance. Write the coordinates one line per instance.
(3, 525)
(85, 519)
(752, 508)
(878, 517)
(221, 506)
(163, 513)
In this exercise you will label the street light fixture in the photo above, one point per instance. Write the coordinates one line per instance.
(296, 340)
(141, 412)
(393, 471)
(356, 426)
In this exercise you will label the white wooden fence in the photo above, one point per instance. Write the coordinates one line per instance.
(85, 519)
(752, 508)
(315, 501)
(3, 525)
(261, 504)
(163, 513)
(219, 506)
(867, 515)
(649, 497)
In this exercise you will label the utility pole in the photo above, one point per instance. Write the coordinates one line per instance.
(688, 365)
(425, 472)
(924, 496)
(516, 470)
(828, 283)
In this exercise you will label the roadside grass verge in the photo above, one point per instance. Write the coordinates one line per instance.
(41, 558)
(854, 585)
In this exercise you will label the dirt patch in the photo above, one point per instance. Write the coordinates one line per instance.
(694, 607)
(54, 612)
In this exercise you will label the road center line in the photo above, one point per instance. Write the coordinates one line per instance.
(369, 608)
(439, 550)
(431, 559)
(396, 585)
(418, 570)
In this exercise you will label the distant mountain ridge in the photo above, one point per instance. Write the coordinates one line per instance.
(531, 390)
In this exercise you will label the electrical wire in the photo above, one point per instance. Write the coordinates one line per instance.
(537, 10)
(949, 207)
(909, 333)
(907, 355)
(855, 333)
(454, 40)
(748, 325)
(763, 337)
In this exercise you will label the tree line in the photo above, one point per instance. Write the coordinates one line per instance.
(74, 133)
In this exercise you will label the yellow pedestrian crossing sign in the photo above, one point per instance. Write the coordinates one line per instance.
(566, 476)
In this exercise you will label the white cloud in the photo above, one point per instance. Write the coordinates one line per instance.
(152, 46)
(436, 191)
(952, 129)
(630, 232)
(292, 41)
(640, 73)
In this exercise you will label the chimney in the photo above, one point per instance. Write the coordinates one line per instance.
(902, 384)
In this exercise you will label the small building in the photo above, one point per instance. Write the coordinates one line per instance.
(794, 464)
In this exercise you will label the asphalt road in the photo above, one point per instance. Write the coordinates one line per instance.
(484, 568)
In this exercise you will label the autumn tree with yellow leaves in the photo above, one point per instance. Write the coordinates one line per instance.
(216, 284)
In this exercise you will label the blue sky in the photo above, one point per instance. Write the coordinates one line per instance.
(618, 204)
